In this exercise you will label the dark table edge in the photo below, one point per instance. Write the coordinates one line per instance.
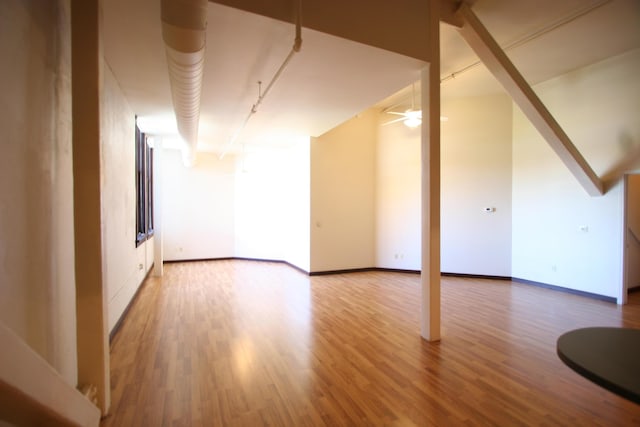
(603, 382)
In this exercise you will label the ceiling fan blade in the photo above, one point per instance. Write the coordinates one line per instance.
(394, 121)
(396, 113)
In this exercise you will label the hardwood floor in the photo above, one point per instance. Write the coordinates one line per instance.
(241, 343)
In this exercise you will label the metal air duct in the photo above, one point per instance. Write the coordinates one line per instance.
(184, 25)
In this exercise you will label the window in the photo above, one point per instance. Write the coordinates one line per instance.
(144, 188)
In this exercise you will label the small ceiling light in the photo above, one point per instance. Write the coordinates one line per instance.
(413, 118)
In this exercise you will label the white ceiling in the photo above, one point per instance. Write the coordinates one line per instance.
(543, 38)
(333, 79)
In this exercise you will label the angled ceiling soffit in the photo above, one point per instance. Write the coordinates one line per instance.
(400, 26)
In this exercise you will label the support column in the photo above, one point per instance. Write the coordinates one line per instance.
(158, 255)
(430, 157)
(91, 310)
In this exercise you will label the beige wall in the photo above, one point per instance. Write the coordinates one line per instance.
(124, 265)
(476, 174)
(398, 219)
(633, 231)
(37, 291)
(343, 195)
(562, 236)
(37, 296)
(633, 203)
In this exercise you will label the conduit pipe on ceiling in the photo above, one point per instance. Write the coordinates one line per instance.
(297, 45)
(534, 35)
(184, 25)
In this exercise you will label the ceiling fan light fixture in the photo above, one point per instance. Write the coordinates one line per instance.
(412, 122)
(413, 118)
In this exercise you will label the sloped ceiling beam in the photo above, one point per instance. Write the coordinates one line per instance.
(494, 58)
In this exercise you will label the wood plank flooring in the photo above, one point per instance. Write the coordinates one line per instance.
(241, 343)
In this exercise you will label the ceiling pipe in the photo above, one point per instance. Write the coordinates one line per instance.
(297, 45)
(184, 25)
(523, 40)
(534, 35)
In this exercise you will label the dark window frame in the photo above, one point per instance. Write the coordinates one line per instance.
(144, 187)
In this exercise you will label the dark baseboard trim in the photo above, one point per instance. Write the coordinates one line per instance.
(475, 276)
(279, 261)
(566, 290)
(400, 270)
(478, 276)
(173, 261)
(118, 324)
(302, 270)
(346, 271)
(295, 267)
(363, 270)
(396, 270)
(444, 274)
(633, 290)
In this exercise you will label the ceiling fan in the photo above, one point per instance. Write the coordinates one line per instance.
(411, 118)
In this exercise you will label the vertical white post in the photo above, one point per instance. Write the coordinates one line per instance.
(430, 157)
(158, 256)
(624, 268)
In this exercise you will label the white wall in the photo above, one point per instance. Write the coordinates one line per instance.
(198, 207)
(297, 206)
(272, 204)
(476, 174)
(37, 279)
(124, 265)
(598, 106)
(258, 208)
(343, 196)
(297, 250)
(254, 205)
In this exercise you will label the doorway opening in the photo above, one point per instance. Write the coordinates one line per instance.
(631, 234)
